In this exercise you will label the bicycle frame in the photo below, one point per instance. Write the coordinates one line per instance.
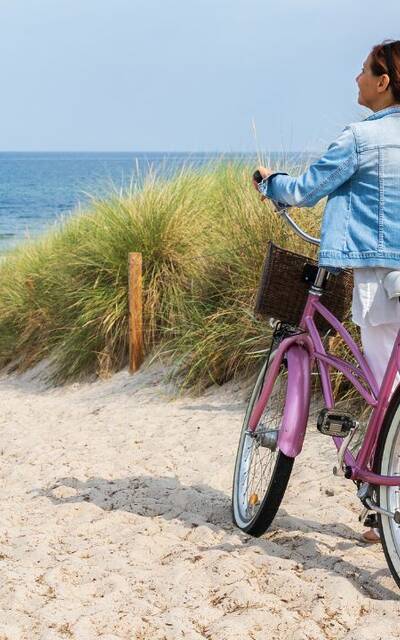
(301, 351)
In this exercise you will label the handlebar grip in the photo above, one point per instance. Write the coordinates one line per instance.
(257, 177)
(279, 206)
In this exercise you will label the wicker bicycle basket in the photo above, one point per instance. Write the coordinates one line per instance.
(285, 280)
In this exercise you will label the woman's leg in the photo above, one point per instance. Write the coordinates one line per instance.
(377, 345)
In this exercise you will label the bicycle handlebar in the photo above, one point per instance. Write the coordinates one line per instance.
(283, 211)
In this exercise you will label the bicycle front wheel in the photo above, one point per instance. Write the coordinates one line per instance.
(387, 462)
(262, 472)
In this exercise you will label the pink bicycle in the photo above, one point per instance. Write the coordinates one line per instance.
(277, 414)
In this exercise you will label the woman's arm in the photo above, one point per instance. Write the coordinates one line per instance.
(321, 178)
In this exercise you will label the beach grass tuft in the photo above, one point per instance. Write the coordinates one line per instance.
(202, 234)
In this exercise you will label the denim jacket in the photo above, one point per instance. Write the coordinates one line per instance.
(360, 174)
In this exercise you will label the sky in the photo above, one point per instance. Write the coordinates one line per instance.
(175, 75)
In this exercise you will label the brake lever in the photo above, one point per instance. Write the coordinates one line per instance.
(280, 207)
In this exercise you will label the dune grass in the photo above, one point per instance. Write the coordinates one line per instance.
(203, 237)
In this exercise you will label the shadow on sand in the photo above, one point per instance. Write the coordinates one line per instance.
(202, 505)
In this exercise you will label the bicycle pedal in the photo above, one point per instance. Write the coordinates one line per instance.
(335, 424)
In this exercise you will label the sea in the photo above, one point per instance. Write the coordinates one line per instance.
(38, 190)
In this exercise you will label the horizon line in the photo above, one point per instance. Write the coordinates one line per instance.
(154, 151)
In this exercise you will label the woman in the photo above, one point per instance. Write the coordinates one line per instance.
(360, 174)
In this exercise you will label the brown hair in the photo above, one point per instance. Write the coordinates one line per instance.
(385, 58)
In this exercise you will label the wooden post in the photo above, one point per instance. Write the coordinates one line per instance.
(135, 312)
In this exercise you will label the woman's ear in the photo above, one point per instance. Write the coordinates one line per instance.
(383, 83)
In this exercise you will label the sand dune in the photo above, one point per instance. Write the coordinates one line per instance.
(116, 524)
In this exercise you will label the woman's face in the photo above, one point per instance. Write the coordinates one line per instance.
(371, 88)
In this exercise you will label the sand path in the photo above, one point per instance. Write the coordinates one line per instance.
(115, 524)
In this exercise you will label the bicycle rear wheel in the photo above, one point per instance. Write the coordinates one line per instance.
(387, 462)
(262, 472)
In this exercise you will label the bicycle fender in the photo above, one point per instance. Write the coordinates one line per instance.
(297, 406)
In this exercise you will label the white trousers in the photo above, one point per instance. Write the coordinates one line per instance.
(377, 345)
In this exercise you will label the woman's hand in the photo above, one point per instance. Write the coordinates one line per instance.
(265, 174)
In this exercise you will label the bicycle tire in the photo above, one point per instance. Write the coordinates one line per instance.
(282, 465)
(385, 463)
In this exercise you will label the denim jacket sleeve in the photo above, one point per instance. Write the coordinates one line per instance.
(322, 177)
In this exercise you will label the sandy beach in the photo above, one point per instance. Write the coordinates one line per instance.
(116, 524)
